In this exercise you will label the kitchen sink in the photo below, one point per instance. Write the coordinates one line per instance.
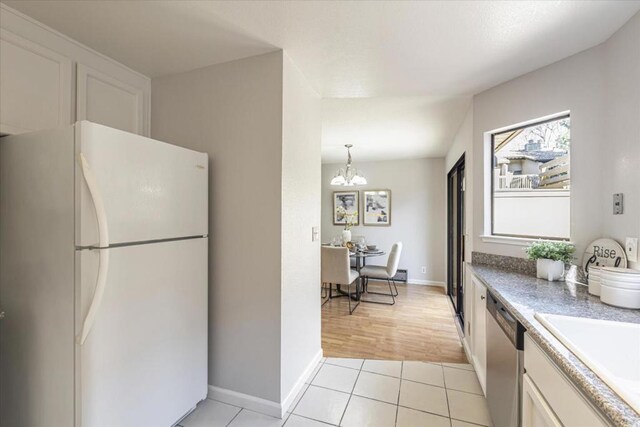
(610, 349)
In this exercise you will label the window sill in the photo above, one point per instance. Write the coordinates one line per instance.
(514, 241)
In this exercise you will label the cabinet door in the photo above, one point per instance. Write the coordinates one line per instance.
(480, 330)
(536, 412)
(105, 100)
(35, 84)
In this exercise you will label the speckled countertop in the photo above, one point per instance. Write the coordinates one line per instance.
(525, 295)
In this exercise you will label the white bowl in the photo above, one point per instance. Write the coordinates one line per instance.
(625, 298)
(623, 280)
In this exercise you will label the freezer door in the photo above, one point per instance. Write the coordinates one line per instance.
(144, 361)
(150, 190)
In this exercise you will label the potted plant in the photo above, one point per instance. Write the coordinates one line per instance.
(349, 218)
(550, 258)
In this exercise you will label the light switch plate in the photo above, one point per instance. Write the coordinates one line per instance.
(631, 248)
(315, 234)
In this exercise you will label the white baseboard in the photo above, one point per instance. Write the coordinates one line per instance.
(426, 282)
(288, 401)
(258, 404)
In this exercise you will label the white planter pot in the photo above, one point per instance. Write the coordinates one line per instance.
(550, 270)
(346, 236)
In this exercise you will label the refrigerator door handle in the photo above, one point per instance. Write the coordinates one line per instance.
(96, 196)
(103, 230)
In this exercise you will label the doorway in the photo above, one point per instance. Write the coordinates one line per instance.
(456, 238)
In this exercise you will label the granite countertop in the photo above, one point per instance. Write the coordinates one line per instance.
(525, 295)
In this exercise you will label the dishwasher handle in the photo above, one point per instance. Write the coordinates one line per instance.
(507, 322)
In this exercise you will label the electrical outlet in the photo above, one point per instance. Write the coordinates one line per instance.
(631, 248)
(424, 270)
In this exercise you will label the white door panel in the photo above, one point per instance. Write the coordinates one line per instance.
(108, 101)
(35, 86)
(144, 362)
(151, 190)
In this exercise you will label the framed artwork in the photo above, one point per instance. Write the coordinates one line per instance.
(345, 207)
(376, 207)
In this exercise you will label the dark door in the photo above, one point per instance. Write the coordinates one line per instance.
(455, 237)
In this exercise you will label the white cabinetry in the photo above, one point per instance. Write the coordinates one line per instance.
(105, 100)
(476, 326)
(35, 86)
(535, 410)
(48, 80)
(479, 331)
(549, 398)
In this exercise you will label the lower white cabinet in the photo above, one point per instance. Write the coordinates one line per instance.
(536, 412)
(549, 398)
(479, 331)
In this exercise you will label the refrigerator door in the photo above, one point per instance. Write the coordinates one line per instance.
(144, 361)
(150, 190)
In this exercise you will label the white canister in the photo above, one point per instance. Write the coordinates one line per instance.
(549, 269)
(594, 280)
(620, 287)
(620, 297)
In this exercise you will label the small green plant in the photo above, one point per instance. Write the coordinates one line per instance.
(557, 251)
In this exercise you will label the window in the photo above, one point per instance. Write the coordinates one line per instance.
(531, 182)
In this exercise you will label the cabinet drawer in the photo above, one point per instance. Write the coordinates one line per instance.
(565, 400)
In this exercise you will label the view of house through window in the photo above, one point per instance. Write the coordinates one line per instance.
(531, 180)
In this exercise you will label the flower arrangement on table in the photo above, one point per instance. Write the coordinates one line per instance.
(350, 220)
(349, 217)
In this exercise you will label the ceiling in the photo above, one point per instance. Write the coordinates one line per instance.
(435, 53)
(388, 128)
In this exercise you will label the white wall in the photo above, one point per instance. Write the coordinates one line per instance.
(601, 88)
(259, 122)
(621, 153)
(417, 216)
(574, 84)
(301, 174)
(463, 144)
(233, 111)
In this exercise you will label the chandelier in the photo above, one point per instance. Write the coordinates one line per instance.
(349, 176)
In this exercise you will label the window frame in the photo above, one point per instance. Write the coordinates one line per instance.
(493, 235)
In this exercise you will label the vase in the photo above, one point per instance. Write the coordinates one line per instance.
(549, 269)
(346, 236)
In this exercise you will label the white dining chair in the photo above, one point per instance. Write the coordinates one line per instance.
(384, 272)
(336, 271)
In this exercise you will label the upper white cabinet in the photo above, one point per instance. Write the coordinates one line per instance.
(105, 100)
(48, 80)
(35, 86)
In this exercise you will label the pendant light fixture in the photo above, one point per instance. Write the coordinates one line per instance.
(349, 176)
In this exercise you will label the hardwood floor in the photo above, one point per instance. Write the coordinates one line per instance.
(420, 326)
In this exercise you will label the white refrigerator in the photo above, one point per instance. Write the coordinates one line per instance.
(103, 279)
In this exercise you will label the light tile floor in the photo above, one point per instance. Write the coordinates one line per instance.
(368, 393)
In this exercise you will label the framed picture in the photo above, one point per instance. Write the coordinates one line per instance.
(345, 207)
(376, 207)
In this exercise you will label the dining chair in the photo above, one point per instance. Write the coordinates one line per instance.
(336, 271)
(384, 272)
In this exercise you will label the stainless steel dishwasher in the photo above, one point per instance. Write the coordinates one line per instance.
(505, 366)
